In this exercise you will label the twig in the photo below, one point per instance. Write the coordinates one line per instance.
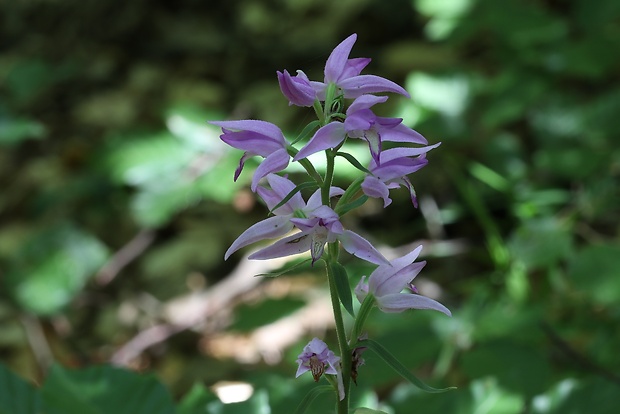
(124, 256)
(37, 341)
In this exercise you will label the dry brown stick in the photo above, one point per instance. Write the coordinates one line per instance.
(128, 253)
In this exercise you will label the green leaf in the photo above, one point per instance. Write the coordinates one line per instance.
(103, 390)
(298, 188)
(16, 395)
(363, 410)
(307, 131)
(315, 392)
(594, 271)
(341, 210)
(197, 400)
(389, 359)
(53, 267)
(342, 286)
(354, 162)
(282, 272)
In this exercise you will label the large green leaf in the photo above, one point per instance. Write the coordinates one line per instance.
(594, 271)
(16, 395)
(197, 401)
(53, 267)
(104, 390)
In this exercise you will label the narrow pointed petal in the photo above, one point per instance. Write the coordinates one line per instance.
(288, 246)
(251, 142)
(282, 187)
(363, 84)
(272, 164)
(402, 133)
(365, 102)
(402, 152)
(337, 60)
(242, 160)
(399, 302)
(397, 281)
(315, 202)
(360, 247)
(354, 67)
(329, 136)
(260, 127)
(269, 228)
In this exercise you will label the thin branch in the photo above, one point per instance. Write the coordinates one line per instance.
(124, 256)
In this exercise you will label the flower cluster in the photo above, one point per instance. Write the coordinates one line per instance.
(344, 103)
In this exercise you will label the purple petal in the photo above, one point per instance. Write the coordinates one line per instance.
(253, 142)
(328, 136)
(360, 247)
(398, 302)
(375, 188)
(401, 133)
(242, 161)
(260, 127)
(361, 290)
(337, 60)
(365, 102)
(354, 67)
(288, 246)
(269, 228)
(395, 281)
(315, 201)
(402, 152)
(272, 164)
(363, 84)
(358, 121)
(296, 89)
(386, 279)
(280, 188)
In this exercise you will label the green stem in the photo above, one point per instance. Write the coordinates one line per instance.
(307, 166)
(345, 352)
(329, 176)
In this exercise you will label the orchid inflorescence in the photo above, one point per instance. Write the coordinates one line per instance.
(320, 231)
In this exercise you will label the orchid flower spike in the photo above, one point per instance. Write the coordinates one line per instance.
(317, 358)
(345, 73)
(280, 223)
(256, 138)
(387, 282)
(320, 227)
(362, 123)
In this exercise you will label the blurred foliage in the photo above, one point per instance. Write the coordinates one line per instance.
(117, 198)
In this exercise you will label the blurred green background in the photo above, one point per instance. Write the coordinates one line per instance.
(117, 201)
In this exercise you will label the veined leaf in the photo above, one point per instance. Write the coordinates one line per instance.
(298, 188)
(395, 364)
(353, 161)
(342, 286)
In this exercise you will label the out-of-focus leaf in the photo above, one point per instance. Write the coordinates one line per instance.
(249, 317)
(16, 395)
(367, 411)
(103, 390)
(311, 396)
(490, 398)
(53, 267)
(518, 368)
(14, 130)
(540, 242)
(197, 401)
(594, 270)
